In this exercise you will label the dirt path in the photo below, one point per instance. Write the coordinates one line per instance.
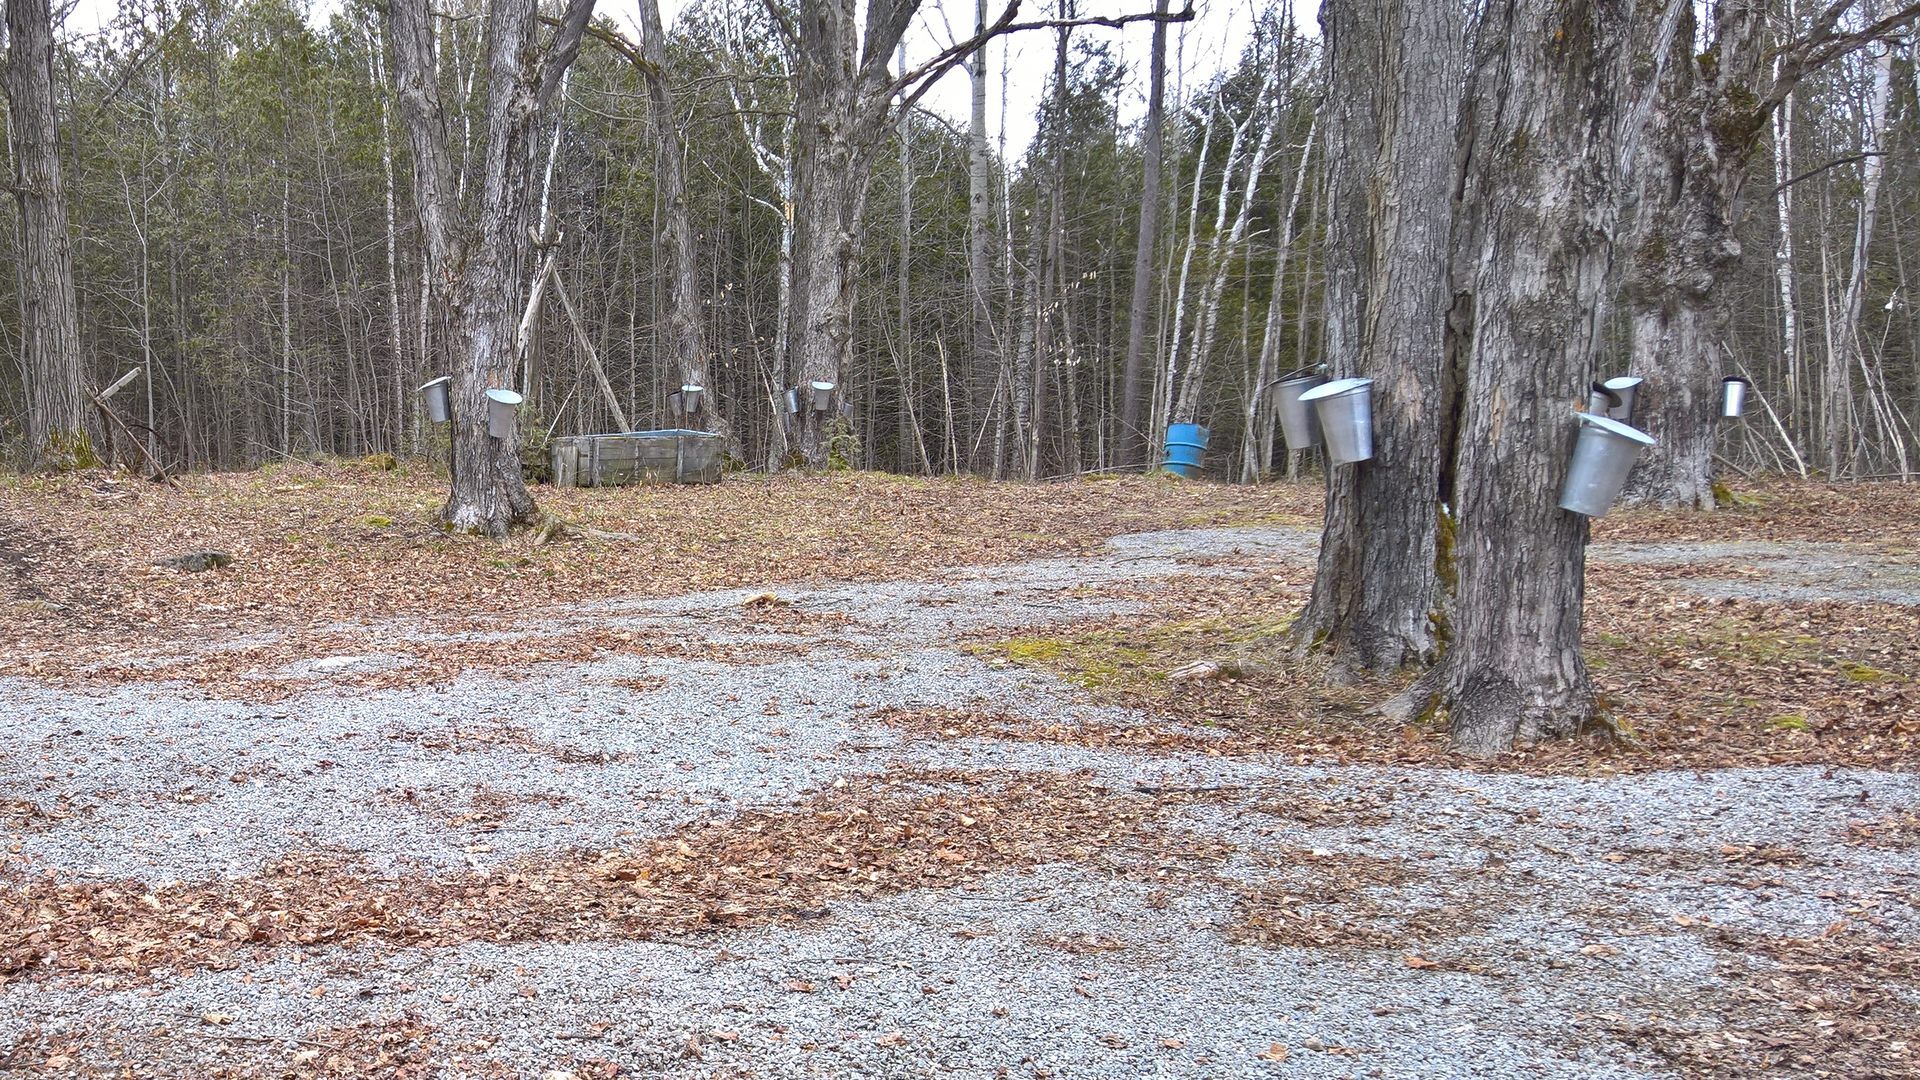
(1240, 916)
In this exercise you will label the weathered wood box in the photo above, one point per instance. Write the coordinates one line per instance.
(668, 456)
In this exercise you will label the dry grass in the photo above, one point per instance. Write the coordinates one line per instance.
(318, 546)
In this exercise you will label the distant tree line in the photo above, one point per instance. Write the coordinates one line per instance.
(245, 230)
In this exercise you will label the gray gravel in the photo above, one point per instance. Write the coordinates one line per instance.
(1781, 571)
(1074, 970)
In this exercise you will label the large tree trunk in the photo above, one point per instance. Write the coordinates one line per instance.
(50, 325)
(1540, 177)
(839, 126)
(475, 273)
(1133, 438)
(1693, 147)
(1388, 293)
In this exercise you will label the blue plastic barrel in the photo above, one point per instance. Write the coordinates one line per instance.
(1186, 449)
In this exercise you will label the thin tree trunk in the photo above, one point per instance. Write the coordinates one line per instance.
(1133, 439)
(1256, 443)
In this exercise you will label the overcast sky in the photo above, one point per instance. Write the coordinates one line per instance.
(1212, 41)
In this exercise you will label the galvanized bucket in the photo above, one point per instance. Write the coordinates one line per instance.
(792, 401)
(438, 394)
(1733, 396)
(503, 413)
(690, 396)
(822, 396)
(1298, 424)
(1627, 389)
(1602, 458)
(1600, 400)
(1345, 409)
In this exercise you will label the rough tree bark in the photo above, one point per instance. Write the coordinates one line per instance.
(50, 327)
(1391, 137)
(1541, 179)
(1693, 144)
(475, 270)
(1133, 439)
(685, 323)
(1709, 104)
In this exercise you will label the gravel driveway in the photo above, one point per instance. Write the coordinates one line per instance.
(1325, 921)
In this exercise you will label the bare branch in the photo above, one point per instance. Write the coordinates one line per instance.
(1823, 43)
(913, 85)
(566, 45)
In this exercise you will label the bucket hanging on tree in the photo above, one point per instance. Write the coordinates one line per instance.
(1345, 410)
(1602, 458)
(1298, 424)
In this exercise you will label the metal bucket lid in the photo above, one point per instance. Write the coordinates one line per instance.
(431, 383)
(822, 385)
(1617, 429)
(1336, 388)
(1738, 379)
(691, 388)
(504, 397)
(1623, 382)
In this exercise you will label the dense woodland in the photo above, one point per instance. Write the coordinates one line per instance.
(244, 230)
(284, 228)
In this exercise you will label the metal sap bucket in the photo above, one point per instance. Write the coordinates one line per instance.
(1600, 400)
(1345, 410)
(822, 396)
(1602, 458)
(791, 399)
(1627, 389)
(690, 396)
(1186, 449)
(1733, 396)
(1298, 424)
(503, 413)
(438, 395)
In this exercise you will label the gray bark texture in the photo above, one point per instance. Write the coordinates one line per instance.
(844, 99)
(476, 272)
(1542, 176)
(685, 323)
(1393, 102)
(1133, 385)
(50, 326)
(1700, 129)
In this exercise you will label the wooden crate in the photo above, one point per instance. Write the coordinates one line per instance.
(672, 456)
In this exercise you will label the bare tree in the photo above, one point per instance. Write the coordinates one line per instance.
(845, 97)
(475, 269)
(684, 310)
(1132, 438)
(1701, 107)
(1541, 185)
(50, 325)
(1391, 137)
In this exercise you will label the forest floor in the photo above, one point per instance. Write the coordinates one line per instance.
(871, 776)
